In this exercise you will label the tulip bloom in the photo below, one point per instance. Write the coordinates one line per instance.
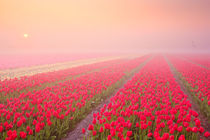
(90, 127)
(129, 133)
(23, 135)
(83, 130)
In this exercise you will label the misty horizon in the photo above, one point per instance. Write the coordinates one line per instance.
(104, 27)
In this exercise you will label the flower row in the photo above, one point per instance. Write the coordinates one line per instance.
(150, 106)
(15, 85)
(197, 81)
(51, 112)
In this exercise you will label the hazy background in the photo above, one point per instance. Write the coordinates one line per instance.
(117, 26)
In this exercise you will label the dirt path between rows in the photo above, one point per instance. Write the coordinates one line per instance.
(204, 120)
(28, 71)
(185, 59)
(76, 134)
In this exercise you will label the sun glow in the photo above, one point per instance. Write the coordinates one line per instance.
(25, 35)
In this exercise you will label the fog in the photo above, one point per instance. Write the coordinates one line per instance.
(105, 26)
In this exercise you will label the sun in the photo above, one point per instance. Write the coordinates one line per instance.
(25, 35)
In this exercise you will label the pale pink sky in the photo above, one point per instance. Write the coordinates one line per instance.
(103, 25)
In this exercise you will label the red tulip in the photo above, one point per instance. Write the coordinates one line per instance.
(83, 130)
(181, 137)
(30, 132)
(14, 134)
(90, 127)
(107, 126)
(19, 123)
(101, 129)
(189, 129)
(180, 128)
(198, 123)
(149, 134)
(185, 124)
(28, 128)
(201, 130)
(94, 132)
(23, 135)
(166, 135)
(207, 134)
(109, 137)
(113, 132)
(8, 117)
(94, 121)
(171, 137)
(37, 128)
(129, 133)
(137, 124)
(194, 129)
(1, 128)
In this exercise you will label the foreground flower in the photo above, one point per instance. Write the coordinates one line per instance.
(83, 130)
(129, 133)
(23, 135)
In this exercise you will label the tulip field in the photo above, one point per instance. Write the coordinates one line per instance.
(197, 80)
(150, 106)
(147, 102)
